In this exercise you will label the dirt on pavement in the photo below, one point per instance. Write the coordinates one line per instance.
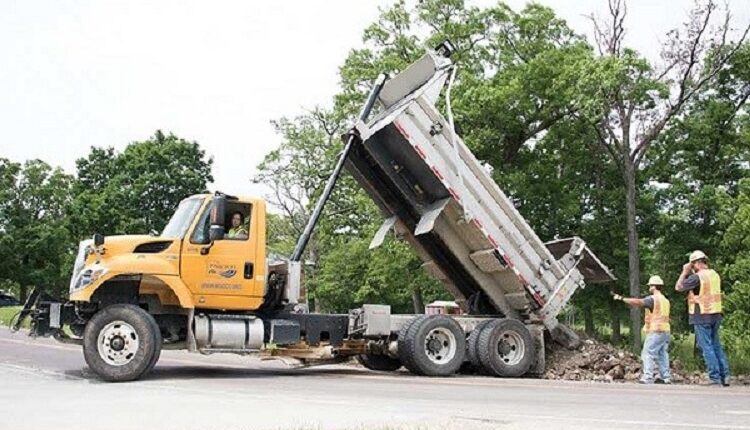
(602, 362)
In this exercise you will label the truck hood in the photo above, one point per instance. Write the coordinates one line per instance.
(128, 243)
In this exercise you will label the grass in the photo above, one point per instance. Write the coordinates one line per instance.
(7, 313)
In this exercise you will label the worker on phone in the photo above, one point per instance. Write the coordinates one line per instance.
(656, 346)
(703, 287)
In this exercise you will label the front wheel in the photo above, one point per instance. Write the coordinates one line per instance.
(121, 343)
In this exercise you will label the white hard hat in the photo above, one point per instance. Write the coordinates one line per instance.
(655, 280)
(697, 255)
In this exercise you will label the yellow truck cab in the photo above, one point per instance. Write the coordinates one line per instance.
(183, 266)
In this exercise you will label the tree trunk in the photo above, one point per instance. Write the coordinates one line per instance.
(588, 320)
(634, 270)
(23, 293)
(417, 301)
(614, 312)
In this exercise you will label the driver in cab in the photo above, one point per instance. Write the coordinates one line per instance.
(238, 229)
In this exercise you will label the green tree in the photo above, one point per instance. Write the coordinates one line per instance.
(694, 172)
(642, 101)
(35, 246)
(736, 272)
(136, 191)
(506, 59)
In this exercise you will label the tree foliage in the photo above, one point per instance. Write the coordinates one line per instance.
(136, 191)
(44, 212)
(569, 127)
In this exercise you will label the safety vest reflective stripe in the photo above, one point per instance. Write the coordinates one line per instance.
(234, 232)
(709, 297)
(658, 319)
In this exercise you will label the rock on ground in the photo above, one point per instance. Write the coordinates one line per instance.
(601, 362)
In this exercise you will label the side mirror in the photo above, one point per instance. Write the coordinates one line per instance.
(218, 215)
(98, 239)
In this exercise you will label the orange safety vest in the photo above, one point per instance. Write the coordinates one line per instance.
(658, 318)
(709, 298)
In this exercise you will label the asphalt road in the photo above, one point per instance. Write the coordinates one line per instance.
(44, 384)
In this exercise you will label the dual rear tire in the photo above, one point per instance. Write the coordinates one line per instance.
(432, 345)
(436, 345)
(504, 347)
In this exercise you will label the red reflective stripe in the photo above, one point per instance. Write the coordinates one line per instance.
(507, 260)
(420, 152)
(401, 129)
(437, 173)
(454, 193)
(492, 240)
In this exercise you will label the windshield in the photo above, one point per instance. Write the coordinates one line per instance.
(182, 218)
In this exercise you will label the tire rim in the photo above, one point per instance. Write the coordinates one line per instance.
(117, 343)
(511, 347)
(440, 345)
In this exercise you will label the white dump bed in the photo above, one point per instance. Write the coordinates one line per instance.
(439, 197)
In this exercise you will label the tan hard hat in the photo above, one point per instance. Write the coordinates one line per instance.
(655, 280)
(697, 255)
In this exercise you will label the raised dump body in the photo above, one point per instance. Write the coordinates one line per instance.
(440, 198)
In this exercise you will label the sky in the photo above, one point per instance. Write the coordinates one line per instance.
(82, 73)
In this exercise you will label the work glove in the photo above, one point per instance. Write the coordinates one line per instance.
(617, 297)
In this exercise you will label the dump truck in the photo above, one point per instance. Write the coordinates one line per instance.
(207, 283)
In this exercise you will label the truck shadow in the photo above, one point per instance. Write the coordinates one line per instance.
(218, 372)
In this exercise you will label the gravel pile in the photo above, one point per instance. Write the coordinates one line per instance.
(601, 362)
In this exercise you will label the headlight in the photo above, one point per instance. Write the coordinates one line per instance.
(87, 277)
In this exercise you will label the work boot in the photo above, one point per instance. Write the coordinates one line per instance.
(725, 381)
(711, 384)
(645, 381)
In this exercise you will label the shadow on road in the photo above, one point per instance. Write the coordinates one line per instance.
(217, 372)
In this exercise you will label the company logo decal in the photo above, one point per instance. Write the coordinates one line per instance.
(221, 270)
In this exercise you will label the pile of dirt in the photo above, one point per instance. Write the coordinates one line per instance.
(601, 362)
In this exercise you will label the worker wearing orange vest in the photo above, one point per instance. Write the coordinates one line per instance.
(656, 346)
(703, 287)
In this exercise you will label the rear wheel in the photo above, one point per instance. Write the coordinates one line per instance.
(506, 348)
(404, 357)
(121, 343)
(435, 345)
(472, 342)
(379, 362)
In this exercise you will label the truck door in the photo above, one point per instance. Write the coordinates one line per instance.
(225, 274)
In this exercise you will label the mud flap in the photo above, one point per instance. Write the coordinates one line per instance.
(537, 333)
